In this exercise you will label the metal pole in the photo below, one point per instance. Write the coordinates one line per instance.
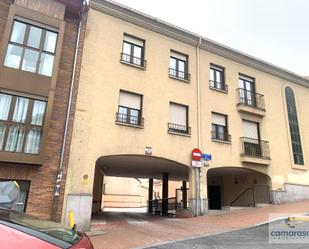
(197, 191)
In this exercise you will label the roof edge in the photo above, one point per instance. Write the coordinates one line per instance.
(149, 22)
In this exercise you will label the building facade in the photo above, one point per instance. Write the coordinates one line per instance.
(150, 92)
(37, 54)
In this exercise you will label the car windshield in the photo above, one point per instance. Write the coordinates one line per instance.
(50, 228)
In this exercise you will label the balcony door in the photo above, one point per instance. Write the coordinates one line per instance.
(251, 140)
(247, 91)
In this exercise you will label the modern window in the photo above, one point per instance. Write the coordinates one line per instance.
(133, 51)
(21, 123)
(294, 127)
(31, 48)
(129, 109)
(251, 138)
(179, 66)
(247, 90)
(217, 78)
(219, 127)
(252, 145)
(178, 119)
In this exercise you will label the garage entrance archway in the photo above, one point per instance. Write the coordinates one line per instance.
(141, 166)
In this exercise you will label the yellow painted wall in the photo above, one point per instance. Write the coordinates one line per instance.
(102, 76)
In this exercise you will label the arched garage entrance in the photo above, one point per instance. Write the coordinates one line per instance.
(237, 186)
(140, 166)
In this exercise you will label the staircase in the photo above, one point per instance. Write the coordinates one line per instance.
(253, 197)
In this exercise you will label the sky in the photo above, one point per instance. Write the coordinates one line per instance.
(276, 31)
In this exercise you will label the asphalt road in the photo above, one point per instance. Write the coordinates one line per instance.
(251, 238)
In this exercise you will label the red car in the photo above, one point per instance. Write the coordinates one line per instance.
(18, 230)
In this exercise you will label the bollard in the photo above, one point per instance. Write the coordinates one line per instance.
(71, 218)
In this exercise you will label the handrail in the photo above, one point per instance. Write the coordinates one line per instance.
(240, 195)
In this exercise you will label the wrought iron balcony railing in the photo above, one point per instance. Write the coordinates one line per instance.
(218, 85)
(250, 98)
(179, 129)
(128, 58)
(179, 74)
(129, 119)
(255, 148)
(221, 136)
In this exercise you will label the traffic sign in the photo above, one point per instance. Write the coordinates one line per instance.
(197, 164)
(196, 155)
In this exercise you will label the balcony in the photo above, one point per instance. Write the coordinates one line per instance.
(179, 129)
(251, 102)
(218, 86)
(179, 75)
(129, 120)
(133, 61)
(255, 151)
(220, 137)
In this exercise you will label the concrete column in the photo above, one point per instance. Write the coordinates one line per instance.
(97, 191)
(150, 195)
(165, 194)
(204, 194)
(184, 194)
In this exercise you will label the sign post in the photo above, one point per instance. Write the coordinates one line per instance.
(197, 164)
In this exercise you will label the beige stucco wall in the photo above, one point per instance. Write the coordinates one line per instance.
(102, 76)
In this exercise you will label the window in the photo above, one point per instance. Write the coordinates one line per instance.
(251, 139)
(31, 48)
(21, 123)
(294, 128)
(247, 90)
(133, 51)
(219, 127)
(179, 66)
(129, 109)
(217, 78)
(178, 119)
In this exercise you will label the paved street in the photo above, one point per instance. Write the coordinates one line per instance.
(252, 238)
(135, 230)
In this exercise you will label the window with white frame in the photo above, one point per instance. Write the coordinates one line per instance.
(31, 48)
(129, 109)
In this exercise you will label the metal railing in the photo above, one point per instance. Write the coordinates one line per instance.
(257, 194)
(179, 128)
(179, 74)
(129, 119)
(255, 148)
(128, 58)
(221, 136)
(250, 98)
(157, 204)
(218, 85)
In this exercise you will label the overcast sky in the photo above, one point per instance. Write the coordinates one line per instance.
(273, 30)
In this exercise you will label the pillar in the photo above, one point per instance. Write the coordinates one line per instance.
(97, 191)
(165, 194)
(184, 195)
(150, 195)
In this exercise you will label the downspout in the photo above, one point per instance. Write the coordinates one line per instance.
(197, 170)
(198, 92)
(64, 140)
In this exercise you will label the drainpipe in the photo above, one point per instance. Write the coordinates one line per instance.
(64, 140)
(198, 170)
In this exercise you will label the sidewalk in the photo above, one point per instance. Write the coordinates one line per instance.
(138, 230)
